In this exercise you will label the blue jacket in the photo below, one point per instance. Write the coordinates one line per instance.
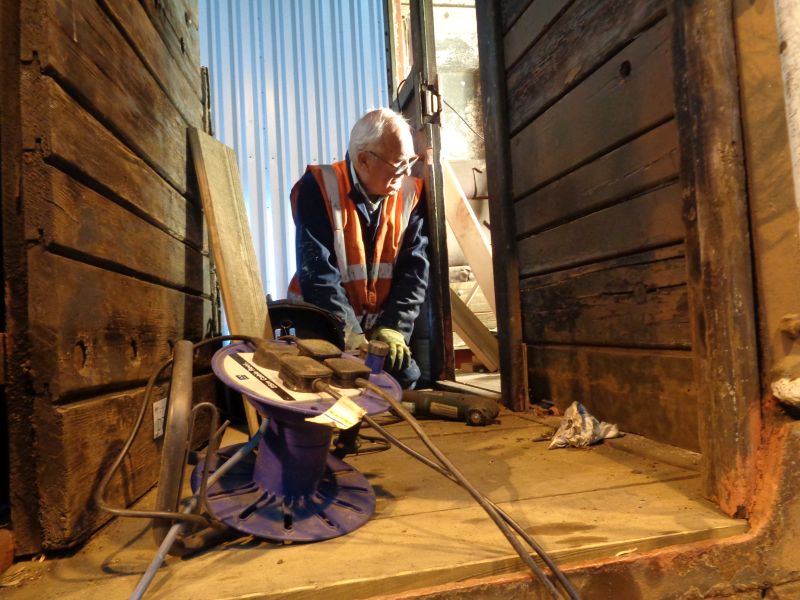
(320, 281)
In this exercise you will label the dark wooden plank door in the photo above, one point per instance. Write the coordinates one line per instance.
(595, 210)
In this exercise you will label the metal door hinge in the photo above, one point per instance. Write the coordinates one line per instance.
(431, 103)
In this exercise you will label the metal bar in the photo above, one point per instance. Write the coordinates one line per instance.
(442, 357)
(175, 530)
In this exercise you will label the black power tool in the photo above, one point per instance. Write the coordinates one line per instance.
(473, 410)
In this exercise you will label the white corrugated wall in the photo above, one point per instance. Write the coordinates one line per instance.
(288, 80)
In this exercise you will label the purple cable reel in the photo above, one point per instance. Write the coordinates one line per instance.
(292, 489)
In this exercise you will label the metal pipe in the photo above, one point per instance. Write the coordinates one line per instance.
(175, 530)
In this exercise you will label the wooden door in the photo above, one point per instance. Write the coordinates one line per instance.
(619, 184)
(595, 210)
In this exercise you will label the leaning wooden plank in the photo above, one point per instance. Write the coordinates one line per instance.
(469, 232)
(231, 243)
(479, 339)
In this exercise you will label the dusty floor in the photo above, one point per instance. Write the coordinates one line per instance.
(623, 496)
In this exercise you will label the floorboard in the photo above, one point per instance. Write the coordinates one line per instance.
(621, 497)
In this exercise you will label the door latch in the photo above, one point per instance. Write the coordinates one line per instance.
(431, 103)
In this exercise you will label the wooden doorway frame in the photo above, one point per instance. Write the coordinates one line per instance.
(419, 101)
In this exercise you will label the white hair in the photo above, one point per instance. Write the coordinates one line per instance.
(370, 128)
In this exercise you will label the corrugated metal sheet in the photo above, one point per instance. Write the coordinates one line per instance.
(288, 80)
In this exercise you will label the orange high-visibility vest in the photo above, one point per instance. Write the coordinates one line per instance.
(365, 296)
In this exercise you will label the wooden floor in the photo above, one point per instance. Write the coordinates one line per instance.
(624, 496)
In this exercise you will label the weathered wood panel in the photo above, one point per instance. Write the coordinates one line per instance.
(629, 94)
(648, 392)
(718, 249)
(511, 10)
(18, 402)
(74, 140)
(93, 330)
(585, 36)
(109, 253)
(645, 162)
(93, 432)
(177, 24)
(171, 74)
(642, 223)
(770, 185)
(635, 301)
(88, 54)
(470, 329)
(70, 218)
(531, 24)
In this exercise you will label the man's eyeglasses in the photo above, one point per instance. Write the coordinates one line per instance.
(399, 169)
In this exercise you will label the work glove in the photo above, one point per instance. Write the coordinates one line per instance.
(353, 341)
(399, 356)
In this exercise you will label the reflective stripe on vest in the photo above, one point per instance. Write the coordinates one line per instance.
(365, 297)
(332, 187)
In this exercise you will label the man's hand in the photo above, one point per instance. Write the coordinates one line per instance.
(353, 341)
(399, 356)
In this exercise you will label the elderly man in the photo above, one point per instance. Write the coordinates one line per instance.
(361, 239)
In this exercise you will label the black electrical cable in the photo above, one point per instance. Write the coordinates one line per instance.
(101, 488)
(458, 114)
(498, 516)
(506, 517)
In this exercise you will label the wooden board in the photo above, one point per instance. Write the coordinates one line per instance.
(718, 250)
(635, 301)
(177, 77)
(642, 223)
(584, 37)
(229, 231)
(243, 294)
(76, 141)
(511, 11)
(648, 392)
(93, 432)
(94, 329)
(177, 24)
(479, 339)
(628, 95)
(647, 161)
(426, 531)
(469, 232)
(87, 53)
(72, 219)
(527, 29)
(770, 185)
